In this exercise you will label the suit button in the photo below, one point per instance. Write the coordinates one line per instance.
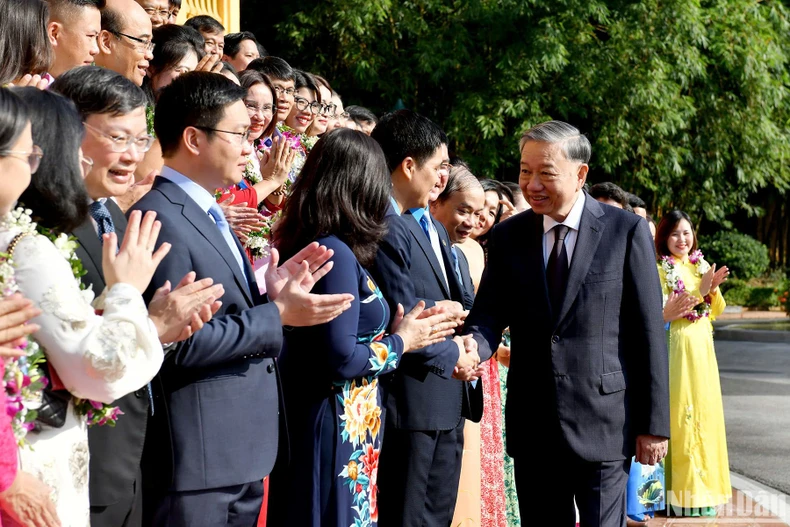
(555, 339)
(270, 368)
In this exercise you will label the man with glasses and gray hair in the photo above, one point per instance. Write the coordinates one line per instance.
(125, 40)
(588, 386)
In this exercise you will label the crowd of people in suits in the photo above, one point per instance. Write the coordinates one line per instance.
(230, 301)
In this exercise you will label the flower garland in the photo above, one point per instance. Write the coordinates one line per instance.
(300, 142)
(24, 380)
(675, 282)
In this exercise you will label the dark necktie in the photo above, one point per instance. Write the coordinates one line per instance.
(103, 219)
(557, 269)
(424, 224)
(104, 222)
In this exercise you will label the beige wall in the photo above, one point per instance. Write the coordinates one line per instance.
(226, 11)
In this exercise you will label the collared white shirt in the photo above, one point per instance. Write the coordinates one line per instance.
(417, 214)
(572, 221)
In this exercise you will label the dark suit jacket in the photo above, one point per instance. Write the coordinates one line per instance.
(596, 375)
(115, 452)
(421, 394)
(467, 286)
(216, 402)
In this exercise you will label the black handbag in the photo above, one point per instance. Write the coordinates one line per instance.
(54, 406)
(54, 403)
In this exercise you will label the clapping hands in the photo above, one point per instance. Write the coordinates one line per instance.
(712, 279)
(289, 285)
(422, 327)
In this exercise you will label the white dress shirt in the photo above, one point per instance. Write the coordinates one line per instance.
(572, 221)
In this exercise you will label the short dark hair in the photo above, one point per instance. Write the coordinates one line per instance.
(96, 90)
(14, 116)
(343, 189)
(248, 79)
(608, 190)
(404, 133)
(665, 228)
(174, 3)
(635, 201)
(56, 194)
(198, 99)
(513, 187)
(233, 43)
(205, 24)
(24, 43)
(273, 67)
(360, 114)
(64, 9)
(173, 43)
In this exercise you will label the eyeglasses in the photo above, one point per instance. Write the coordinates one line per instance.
(87, 164)
(144, 45)
(243, 136)
(122, 143)
(279, 90)
(33, 158)
(328, 110)
(151, 11)
(252, 108)
(344, 115)
(302, 104)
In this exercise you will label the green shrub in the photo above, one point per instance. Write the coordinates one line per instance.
(743, 255)
(762, 298)
(737, 294)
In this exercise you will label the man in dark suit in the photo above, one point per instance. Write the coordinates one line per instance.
(421, 456)
(111, 107)
(215, 432)
(588, 369)
(458, 208)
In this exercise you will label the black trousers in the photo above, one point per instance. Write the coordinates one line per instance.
(127, 512)
(418, 477)
(598, 488)
(233, 506)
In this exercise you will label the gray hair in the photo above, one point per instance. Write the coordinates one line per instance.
(460, 179)
(574, 145)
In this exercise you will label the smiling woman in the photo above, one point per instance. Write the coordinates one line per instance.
(178, 51)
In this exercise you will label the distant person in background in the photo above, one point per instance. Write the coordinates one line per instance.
(327, 109)
(73, 27)
(364, 119)
(157, 10)
(519, 201)
(697, 467)
(338, 118)
(212, 32)
(175, 8)
(125, 44)
(610, 194)
(241, 49)
(229, 72)
(637, 204)
(282, 77)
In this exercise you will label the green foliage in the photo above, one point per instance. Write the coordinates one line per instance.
(745, 257)
(685, 101)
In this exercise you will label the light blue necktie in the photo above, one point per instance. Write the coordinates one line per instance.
(219, 218)
(103, 218)
(454, 253)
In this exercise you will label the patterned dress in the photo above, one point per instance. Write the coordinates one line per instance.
(331, 377)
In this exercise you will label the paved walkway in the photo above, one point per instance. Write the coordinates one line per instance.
(753, 315)
(741, 512)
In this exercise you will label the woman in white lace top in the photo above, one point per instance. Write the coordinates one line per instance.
(100, 349)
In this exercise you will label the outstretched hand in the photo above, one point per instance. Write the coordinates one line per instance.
(317, 258)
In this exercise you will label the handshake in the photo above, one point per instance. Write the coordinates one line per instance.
(468, 367)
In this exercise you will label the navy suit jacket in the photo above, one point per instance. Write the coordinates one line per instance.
(216, 404)
(421, 394)
(595, 375)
